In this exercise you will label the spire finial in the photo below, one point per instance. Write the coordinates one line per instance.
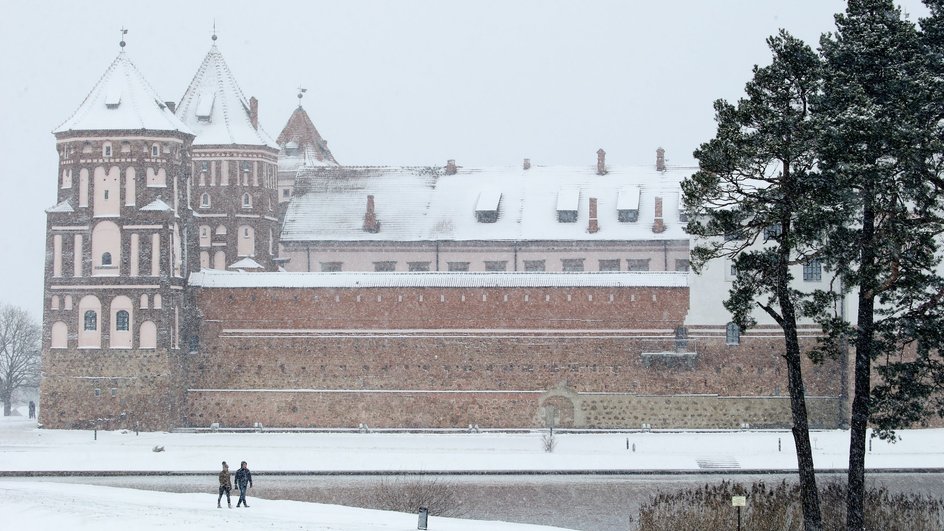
(301, 94)
(214, 31)
(123, 33)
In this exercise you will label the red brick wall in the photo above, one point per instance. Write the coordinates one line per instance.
(325, 359)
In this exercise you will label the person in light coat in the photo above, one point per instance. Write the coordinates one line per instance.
(225, 486)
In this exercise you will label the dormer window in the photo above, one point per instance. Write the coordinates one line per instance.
(155, 151)
(486, 207)
(205, 105)
(205, 200)
(106, 149)
(627, 204)
(291, 147)
(567, 201)
(247, 201)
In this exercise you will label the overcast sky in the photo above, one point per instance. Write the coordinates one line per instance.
(394, 83)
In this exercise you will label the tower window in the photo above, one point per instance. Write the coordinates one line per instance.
(204, 166)
(122, 321)
(245, 166)
(247, 201)
(106, 149)
(155, 151)
(106, 259)
(91, 320)
(205, 200)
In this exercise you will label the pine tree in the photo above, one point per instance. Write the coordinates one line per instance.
(757, 200)
(878, 146)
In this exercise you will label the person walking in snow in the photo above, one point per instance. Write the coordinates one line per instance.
(243, 482)
(225, 486)
(32, 409)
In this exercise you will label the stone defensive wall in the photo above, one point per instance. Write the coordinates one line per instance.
(505, 350)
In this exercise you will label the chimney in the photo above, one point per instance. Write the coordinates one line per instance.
(658, 226)
(451, 167)
(594, 225)
(171, 105)
(601, 162)
(371, 224)
(660, 159)
(254, 112)
(526, 165)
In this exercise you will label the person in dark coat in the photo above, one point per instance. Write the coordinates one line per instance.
(32, 409)
(225, 486)
(243, 481)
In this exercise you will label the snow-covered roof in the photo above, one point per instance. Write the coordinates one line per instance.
(425, 204)
(63, 207)
(302, 145)
(122, 100)
(215, 108)
(223, 279)
(157, 206)
(246, 263)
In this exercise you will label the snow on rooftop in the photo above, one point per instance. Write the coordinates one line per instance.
(64, 206)
(157, 206)
(122, 100)
(223, 279)
(216, 109)
(424, 204)
(246, 263)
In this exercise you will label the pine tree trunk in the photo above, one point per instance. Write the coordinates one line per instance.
(812, 518)
(855, 493)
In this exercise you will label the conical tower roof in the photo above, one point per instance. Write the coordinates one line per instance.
(122, 100)
(215, 108)
(307, 142)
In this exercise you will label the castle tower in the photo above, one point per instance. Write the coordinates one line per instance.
(117, 258)
(235, 171)
(301, 147)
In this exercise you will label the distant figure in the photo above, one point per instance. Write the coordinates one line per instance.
(32, 409)
(243, 482)
(225, 486)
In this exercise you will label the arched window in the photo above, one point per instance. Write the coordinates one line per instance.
(122, 320)
(733, 334)
(247, 201)
(91, 320)
(60, 335)
(205, 200)
(221, 230)
(54, 304)
(155, 150)
(147, 335)
(106, 259)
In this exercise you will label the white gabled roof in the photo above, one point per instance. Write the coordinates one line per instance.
(245, 263)
(215, 108)
(122, 100)
(64, 206)
(157, 206)
(226, 279)
(425, 204)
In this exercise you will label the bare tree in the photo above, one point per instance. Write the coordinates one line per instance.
(20, 339)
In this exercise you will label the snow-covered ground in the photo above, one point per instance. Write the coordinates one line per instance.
(44, 505)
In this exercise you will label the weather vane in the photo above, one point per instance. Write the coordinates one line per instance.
(214, 30)
(301, 93)
(123, 33)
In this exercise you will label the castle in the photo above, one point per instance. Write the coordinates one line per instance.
(199, 271)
